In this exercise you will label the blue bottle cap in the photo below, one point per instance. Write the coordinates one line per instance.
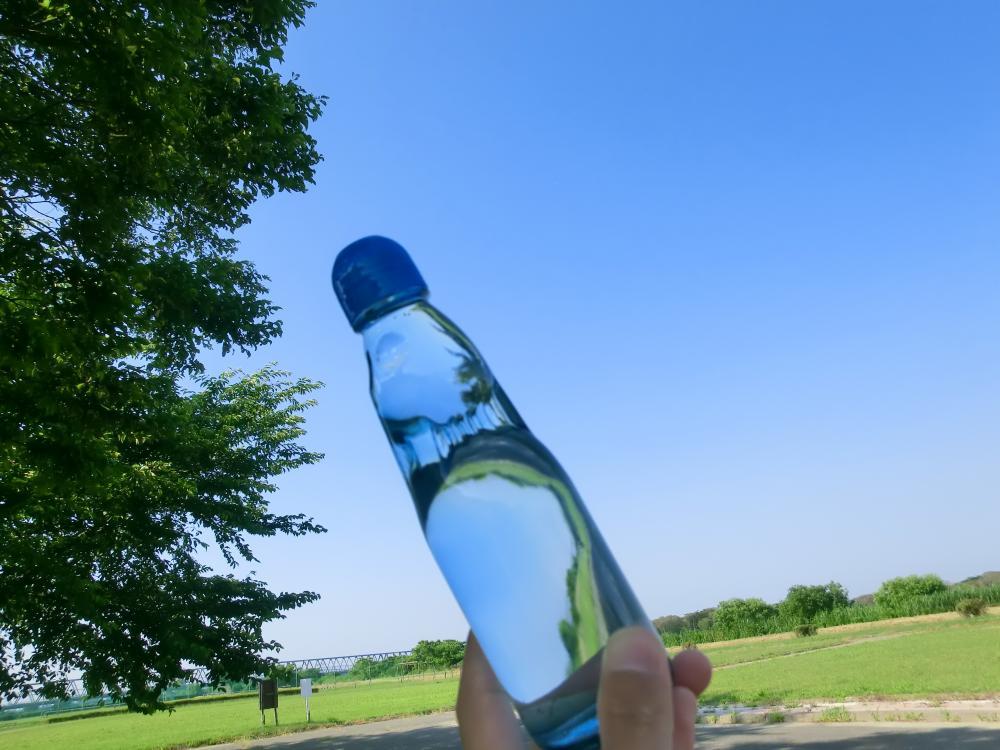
(373, 276)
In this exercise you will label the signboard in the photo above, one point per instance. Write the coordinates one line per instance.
(267, 697)
(306, 688)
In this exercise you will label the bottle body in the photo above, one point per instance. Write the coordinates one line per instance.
(514, 541)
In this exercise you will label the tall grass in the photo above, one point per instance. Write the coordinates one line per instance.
(943, 601)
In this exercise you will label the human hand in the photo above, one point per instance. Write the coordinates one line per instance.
(642, 703)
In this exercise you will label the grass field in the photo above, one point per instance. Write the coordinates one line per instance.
(940, 658)
(217, 721)
(768, 647)
(935, 656)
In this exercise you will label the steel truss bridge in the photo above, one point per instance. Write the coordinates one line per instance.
(341, 664)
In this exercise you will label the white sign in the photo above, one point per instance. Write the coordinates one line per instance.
(306, 688)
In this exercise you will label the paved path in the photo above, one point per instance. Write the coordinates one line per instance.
(850, 737)
(438, 732)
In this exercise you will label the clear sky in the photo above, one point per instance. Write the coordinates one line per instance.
(737, 264)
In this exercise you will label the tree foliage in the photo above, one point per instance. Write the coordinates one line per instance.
(134, 136)
(698, 620)
(367, 668)
(803, 603)
(897, 591)
(669, 624)
(446, 653)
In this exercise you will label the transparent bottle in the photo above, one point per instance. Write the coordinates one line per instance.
(521, 554)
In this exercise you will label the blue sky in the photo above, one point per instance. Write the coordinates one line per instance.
(736, 263)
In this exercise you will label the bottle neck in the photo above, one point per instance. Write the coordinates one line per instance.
(427, 377)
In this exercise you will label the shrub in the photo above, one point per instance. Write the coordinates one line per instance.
(897, 592)
(805, 630)
(972, 607)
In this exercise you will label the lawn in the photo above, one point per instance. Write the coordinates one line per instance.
(766, 647)
(906, 658)
(957, 659)
(217, 721)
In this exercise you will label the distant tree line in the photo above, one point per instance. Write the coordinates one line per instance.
(807, 607)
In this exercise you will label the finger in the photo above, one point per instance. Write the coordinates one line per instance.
(693, 670)
(485, 717)
(685, 710)
(634, 699)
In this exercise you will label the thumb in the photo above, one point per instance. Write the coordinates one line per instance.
(634, 699)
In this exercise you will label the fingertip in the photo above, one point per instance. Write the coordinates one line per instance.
(692, 670)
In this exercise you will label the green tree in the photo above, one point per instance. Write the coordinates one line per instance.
(803, 603)
(447, 653)
(134, 136)
(285, 674)
(669, 624)
(699, 620)
(896, 592)
(702, 619)
(743, 615)
(367, 668)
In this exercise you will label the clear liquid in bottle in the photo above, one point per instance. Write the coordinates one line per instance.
(514, 541)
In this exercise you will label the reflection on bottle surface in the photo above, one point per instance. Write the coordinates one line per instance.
(528, 567)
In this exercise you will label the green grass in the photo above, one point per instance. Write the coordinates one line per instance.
(206, 722)
(728, 654)
(941, 659)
